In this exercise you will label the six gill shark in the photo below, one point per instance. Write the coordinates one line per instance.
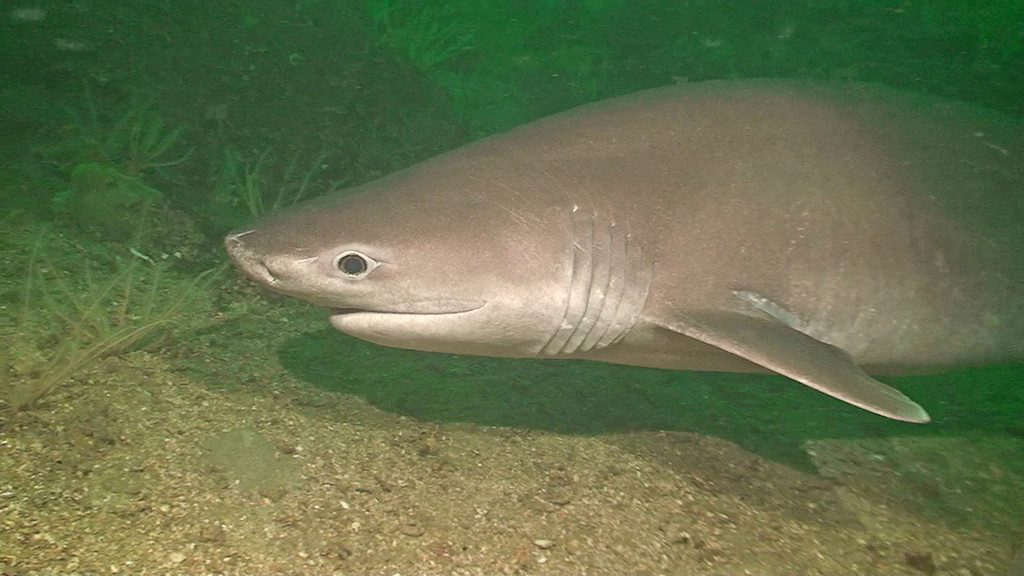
(822, 233)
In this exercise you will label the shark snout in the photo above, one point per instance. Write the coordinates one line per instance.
(246, 259)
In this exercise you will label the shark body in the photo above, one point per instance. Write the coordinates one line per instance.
(823, 233)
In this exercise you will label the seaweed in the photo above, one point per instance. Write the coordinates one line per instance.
(428, 36)
(261, 186)
(95, 313)
(136, 142)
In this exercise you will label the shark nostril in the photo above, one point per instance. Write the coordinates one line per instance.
(248, 260)
(234, 244)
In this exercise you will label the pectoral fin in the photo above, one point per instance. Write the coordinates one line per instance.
(787, 351)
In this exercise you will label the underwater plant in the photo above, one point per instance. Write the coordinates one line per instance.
(487, 55)
(101, 195)
(253, 185)
(107, 163)
(94, 314)
(428, 36)
(136, 142)
(140, 139)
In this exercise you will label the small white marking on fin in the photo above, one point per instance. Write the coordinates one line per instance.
(768, 307)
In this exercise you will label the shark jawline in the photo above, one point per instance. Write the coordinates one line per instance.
(472, 307)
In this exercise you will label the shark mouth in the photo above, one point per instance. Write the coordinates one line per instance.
(409, 321)
(425, 308)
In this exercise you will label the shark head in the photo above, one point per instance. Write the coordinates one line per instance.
(428, 261)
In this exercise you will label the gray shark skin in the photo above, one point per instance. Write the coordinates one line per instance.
(819, 232)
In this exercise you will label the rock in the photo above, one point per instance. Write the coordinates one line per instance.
(920, 561)
(412, 530)
(252, 462)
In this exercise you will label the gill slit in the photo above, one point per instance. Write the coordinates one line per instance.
(609, 283)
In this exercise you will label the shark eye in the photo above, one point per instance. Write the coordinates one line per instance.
(354, 264)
